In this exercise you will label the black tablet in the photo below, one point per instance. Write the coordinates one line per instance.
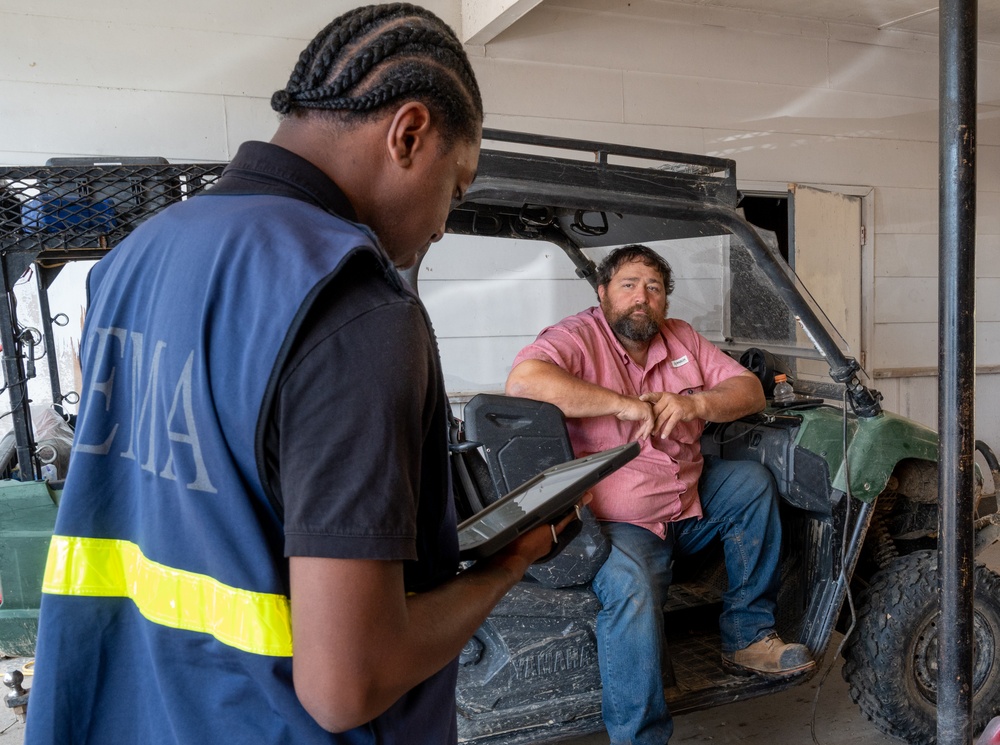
(549, 495)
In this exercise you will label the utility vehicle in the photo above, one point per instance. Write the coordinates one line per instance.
(858, 484)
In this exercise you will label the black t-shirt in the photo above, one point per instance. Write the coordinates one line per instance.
(353, 412)
(357, 428)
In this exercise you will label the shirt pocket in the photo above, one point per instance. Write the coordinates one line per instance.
(688, 383)
(687, 380)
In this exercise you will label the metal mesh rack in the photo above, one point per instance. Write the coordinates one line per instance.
(71, 209)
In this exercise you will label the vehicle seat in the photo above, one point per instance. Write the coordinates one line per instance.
(520, 438)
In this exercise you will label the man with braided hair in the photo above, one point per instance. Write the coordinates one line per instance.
(261, 451)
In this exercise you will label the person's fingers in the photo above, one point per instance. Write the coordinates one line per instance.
(560, 526)
(668, 426)
(665, 413)
(646, 429)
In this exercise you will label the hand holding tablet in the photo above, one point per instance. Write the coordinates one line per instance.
(548, 497)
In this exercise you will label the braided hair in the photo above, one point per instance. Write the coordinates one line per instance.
(373, 56)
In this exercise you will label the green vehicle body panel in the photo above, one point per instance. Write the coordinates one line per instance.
(875, 446)
(27, 518)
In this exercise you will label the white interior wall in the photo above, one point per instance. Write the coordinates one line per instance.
(789, 100)
(186, 80)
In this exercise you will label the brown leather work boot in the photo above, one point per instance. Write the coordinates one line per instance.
(769, 658)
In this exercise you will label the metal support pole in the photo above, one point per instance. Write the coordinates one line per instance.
(44, 279)
(15, 380)
(957, 366)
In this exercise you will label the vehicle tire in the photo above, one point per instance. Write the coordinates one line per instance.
(891, 657)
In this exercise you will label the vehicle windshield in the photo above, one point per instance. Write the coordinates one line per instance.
(488, 297)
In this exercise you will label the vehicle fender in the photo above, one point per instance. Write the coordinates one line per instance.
(874, 446)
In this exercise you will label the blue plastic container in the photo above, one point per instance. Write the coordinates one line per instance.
(50, 214)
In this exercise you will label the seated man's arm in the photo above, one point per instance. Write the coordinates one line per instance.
(728, 400)
(361, 642)
(546, 381)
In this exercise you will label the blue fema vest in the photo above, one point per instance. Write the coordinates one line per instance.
(165, 611)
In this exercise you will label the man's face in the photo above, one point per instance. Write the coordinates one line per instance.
(634, 301)
(422, 203)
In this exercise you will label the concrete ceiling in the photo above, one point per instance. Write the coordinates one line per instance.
(917, 16)
(483, 20)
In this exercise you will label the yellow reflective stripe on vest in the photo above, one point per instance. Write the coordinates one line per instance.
(255, 622)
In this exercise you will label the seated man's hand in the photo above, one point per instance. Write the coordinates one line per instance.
(669, 409)
(637, 410)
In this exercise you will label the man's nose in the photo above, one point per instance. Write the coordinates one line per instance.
(439, 233)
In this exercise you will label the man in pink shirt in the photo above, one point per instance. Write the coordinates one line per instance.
(623, 371)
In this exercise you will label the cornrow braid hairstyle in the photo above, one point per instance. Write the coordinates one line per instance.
(374, 56)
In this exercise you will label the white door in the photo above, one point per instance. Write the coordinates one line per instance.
(825, 252)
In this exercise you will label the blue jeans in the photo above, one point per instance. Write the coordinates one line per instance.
(739, 502)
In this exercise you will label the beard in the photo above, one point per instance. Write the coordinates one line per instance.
(640, 328)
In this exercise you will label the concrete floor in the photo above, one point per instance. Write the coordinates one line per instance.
(781, 719)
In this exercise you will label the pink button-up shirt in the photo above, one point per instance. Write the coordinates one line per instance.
(661, 484)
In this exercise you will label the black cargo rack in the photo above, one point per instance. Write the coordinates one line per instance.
(71, 209)
(563, 166)
(70, 212)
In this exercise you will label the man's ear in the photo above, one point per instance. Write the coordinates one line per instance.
(409, 133)
(601, 290)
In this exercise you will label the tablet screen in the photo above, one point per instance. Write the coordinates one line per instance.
(544, 497)
(521, 504)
